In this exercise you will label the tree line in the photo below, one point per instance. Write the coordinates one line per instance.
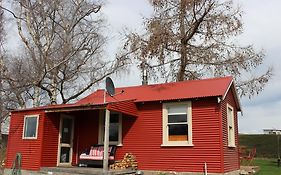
(62, 48)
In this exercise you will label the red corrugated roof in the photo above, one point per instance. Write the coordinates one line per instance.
(189, 89)
(166, 91)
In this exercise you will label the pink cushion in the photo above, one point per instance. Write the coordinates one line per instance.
(88, 157)
(98, 151)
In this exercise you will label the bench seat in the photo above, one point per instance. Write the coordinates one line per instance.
(93, 156)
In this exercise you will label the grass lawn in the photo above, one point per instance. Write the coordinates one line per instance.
(267, 167)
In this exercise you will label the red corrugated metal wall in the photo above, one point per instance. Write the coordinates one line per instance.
(86, 132)
(142, 136)
(50, 140)
(125, 107)
(29, 149)
(231, 155)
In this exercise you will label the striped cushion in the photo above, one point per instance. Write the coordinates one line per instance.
(98, 151)
(88, 157)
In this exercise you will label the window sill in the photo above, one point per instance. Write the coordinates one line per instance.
(112, 143)
(177, 145)
(231, 146)
(29, 138)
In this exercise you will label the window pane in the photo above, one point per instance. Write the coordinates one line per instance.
(177, 118)
(66, 130)
(64, 155)
(113, 127)
(178, 132)
(114, 118)
(178, 109)
(30, 126)
(113, 131)
(230, 116)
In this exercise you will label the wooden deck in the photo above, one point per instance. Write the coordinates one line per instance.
(82, 171)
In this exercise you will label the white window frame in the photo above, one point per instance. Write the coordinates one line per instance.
(101, 128)
(230, 126)
(165, 132)
(37, 124)
(62, 116)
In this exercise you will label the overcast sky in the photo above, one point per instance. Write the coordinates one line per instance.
(262, 27)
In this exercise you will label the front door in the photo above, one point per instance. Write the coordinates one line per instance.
(65, 141)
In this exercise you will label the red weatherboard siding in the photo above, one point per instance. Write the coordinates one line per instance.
(29, 149)
(142, 136)
(125, 107)
(50, 140)
(231, 155)
(86, 131)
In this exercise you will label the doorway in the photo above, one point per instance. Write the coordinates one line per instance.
(65, 141)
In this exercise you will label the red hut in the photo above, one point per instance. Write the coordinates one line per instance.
(177, 126)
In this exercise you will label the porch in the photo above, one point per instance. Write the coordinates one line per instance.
(71, 171)
(82, 170)
(77, 129)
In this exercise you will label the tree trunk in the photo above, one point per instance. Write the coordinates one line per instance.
(1, 97)
(183, 53)
(36, 97)
(54, 92)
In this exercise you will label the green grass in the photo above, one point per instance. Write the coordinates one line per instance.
(267, 167)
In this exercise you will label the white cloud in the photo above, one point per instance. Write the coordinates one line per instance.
(261, 28)
(261, 22)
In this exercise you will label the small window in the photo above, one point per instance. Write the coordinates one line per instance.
(115, 128)
(231, 126)
(30, 127)
(177, 124)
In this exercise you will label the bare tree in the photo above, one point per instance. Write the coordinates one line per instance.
(193, 39)
(63, 49)
(3, 115)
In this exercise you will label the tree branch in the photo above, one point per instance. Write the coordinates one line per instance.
(12, 13)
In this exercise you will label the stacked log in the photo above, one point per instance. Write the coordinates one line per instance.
(128, 162)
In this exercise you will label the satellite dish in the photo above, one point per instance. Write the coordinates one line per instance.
(109, 86)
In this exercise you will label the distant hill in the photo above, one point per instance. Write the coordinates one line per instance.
(266, 145)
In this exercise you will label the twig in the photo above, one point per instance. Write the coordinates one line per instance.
(11, 12)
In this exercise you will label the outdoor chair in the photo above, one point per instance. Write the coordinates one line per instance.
(248, 159)
(93, 156)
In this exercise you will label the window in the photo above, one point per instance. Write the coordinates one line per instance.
(30, 127)
(115, 128)
(231, 126)
(177, 124)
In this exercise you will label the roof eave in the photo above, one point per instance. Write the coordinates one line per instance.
(76, 108)
(237, 101)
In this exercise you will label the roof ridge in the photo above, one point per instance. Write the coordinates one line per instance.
(175, 82)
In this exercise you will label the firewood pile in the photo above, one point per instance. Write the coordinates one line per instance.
(129, 161)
